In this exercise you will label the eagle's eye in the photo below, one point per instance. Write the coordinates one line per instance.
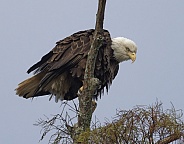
(127, 49)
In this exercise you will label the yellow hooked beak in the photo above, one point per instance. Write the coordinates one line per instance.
(132, 56)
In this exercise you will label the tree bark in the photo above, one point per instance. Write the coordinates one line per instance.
(90, 83)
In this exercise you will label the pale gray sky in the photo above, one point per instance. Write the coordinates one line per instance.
(29, 29)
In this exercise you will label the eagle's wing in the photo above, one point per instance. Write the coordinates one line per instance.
(65, 55)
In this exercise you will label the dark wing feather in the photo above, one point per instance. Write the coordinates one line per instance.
(41, 62)
(65, 55)
(53, 73)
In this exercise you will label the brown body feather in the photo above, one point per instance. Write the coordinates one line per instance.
(61, 71)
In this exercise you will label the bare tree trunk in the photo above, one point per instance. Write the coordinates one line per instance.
(90, 83)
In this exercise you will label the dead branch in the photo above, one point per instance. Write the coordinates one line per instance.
(90, 85)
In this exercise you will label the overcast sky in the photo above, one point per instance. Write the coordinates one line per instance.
(29, 29)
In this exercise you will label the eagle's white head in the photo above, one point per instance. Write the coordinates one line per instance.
(124, 49)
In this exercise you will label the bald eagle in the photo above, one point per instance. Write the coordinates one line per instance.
(60, 72)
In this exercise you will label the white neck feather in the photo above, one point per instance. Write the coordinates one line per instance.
(118, 45)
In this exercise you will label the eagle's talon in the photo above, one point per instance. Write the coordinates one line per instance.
(80, 90)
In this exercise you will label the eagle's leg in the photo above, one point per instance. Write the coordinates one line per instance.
(81, 89)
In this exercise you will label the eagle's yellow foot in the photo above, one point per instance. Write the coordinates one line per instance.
(80, 90)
